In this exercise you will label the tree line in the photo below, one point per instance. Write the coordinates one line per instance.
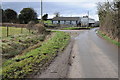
(26, 15)
(109, 16)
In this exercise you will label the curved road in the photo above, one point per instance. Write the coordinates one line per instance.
(93, 57)
(87, 56)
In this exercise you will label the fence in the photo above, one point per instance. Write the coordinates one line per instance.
(13, 29)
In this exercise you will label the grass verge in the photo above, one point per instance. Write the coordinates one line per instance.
(76, 28)
(108, 38)
(21, 66)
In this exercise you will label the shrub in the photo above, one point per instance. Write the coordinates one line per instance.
(30, 25)
(40, 28)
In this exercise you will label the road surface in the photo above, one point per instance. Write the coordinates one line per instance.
(93, 57)
(87, 56)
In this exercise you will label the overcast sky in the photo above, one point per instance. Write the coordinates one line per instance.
(77, 8)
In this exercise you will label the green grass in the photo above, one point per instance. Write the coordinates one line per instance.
(13, 31)
(108, 38)
(48, 21)
(16, 44)
(21, 66)
(75, 28)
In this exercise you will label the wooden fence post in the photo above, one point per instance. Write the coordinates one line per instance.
(21, 30)
(29, 30)
(7, 31)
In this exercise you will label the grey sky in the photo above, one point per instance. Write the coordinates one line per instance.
(77, 8)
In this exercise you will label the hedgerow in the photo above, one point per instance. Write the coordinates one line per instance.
(109, 13)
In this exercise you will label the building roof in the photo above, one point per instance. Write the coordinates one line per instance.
(66, 18)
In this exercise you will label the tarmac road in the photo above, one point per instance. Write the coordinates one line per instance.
(87, 56)
(93, 57)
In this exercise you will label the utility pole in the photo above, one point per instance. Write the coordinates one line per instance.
(88, 18)
(42, 22)
(41, 9)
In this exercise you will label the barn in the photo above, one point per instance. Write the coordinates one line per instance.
(73, 21)
(68, 21)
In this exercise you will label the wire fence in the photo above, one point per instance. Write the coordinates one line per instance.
(11, 31)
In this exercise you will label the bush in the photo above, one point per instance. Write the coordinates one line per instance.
(30, 25)
(40, 28)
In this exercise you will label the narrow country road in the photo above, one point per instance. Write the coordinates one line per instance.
(93, 57)
(87, 56)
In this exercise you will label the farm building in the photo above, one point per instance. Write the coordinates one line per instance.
(73, 21)
(66, 20)
(85, 21)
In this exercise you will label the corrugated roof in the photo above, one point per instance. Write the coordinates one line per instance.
(66, 18)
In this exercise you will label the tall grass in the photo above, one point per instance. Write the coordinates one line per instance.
(21, 66)
(13, 31)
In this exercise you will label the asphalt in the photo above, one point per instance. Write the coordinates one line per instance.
(87, 56)
(93, 57)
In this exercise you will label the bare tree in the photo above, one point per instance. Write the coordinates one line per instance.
(57, 14)
(108, 15)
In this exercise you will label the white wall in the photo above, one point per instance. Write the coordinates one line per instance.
(73, 22)
(84, 21)
(61, 22)
(66, 22)
(55, 22)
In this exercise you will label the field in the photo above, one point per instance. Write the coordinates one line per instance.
(48, 22)
(13, 31)
(17, 41)
(33, 60)
(24, 51)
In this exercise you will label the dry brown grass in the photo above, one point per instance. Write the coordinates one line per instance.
(12, 25)
(40, 28)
